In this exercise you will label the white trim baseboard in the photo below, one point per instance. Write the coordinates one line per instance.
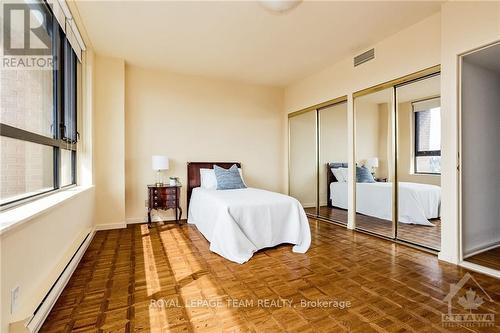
(135, 220)
(110, 226)
(35, 323)
(480, 269)
(309, 205)
(480, 249)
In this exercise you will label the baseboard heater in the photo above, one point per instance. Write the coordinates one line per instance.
(33, 323)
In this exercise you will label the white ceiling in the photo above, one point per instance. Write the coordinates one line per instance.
(240, 40)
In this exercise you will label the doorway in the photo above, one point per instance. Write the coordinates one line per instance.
(480, 156)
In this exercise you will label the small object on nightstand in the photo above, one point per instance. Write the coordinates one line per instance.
(173, 181)
(164, 197)
(381, 180)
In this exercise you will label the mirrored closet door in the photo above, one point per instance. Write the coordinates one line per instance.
(374, 146)
(302, 172)
(333, 186)
(418, 110)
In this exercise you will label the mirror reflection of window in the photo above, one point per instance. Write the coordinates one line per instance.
(427, 136)
(419, 162)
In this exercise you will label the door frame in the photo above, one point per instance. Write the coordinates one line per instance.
(459, 173)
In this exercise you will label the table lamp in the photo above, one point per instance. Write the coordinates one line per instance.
(372, 164)
(159, 163)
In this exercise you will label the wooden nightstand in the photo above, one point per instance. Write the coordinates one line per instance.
(381, 180)
(163, 198)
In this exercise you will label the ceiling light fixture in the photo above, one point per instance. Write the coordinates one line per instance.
(279, 6)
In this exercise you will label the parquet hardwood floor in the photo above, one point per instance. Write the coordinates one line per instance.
(165, 279)
(490, 258)
(418, 234)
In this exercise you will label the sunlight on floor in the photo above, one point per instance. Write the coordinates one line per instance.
(206, 304)
(157, 316)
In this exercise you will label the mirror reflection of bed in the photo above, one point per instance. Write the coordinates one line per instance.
(419, 157)
(418, 168)
(416, 147)
(427, 235)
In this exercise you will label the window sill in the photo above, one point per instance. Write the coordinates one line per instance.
(426, 174)
(19, 215)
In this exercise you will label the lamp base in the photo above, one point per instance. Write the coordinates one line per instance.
(158, 178)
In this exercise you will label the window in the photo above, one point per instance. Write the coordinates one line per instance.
(427, 119)
(38, 119)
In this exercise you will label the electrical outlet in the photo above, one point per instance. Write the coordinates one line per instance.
(14, 299)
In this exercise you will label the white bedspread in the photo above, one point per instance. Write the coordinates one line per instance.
(239, 222)
(417, 202)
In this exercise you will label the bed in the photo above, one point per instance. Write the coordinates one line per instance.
(417, 204)
(237, 223)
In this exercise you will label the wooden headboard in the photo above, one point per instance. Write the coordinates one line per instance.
(193, 174)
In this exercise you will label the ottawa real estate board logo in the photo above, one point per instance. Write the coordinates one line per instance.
(26, 36)
(468, 306)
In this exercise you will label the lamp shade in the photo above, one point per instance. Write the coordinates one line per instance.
(159, 162)
(372, 162)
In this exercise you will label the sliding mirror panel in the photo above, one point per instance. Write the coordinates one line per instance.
(303, 168)
(418, 110)
(480, 179)
(374, 127)
(333, 162)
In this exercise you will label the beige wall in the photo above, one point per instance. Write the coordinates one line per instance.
(385, 167)
(189, 118)
(303, 167)
(332, 143)
(396, 56)
(35, 253)
(373, 135)
(109, 139)
(367, 130)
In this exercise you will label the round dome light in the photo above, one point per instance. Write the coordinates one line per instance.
(280, 6)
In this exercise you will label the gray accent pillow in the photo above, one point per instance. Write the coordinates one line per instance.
(363, 175)
(228, 179)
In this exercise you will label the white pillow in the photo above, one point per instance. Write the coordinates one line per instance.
(209, 181)
(338, 174)
(345, 174)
